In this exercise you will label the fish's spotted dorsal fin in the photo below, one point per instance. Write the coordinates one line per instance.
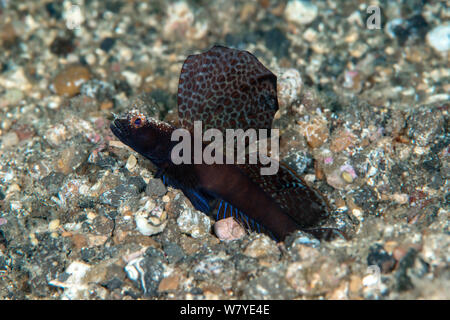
(226, 89)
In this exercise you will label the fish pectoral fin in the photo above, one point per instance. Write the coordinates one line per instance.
(199, 200)
(226, 210)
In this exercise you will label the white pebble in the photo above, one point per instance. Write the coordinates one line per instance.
(53, 225)
(439, 38)
(300, 12)
(132, 78)
(9, 140)
(131, 163)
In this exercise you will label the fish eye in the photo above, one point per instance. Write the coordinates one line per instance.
(137, 121)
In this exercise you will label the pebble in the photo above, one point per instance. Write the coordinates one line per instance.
(379, 257)
(439, 38)
(261, 246)
(289, 86)
(335, 179)
(11, 97)
(155, 187)
(132, 78)
(56, 134)
(300, 12)
(73, 281)
(79, 241)
(107, 44)
(169, 283)
(194, 223)
(310, 35)
(68, 82)
(10, 139)
(147, 271)
(15, 79)
(180, 19)
(341, 141)
(228, 229)
(348, 173)
(122, 193)
(54, 225)
(150, 219)
(131, 163)
(315, 132)
(70, 159)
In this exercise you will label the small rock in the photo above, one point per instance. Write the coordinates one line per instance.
(121, 193)
(194, 223)
(179, 20)
(315, 132)
(169, 284)
(79, 241)
(341, 140)
(150, 220)
(100, 90)
(289, 86)
(379, 257)
(9, 140)
(156, 188)
(11, 97)
(131, 163)
(70, 159)
(270, 285)
(348, 173)
(53, 225)
(15, 79)
(107, 44)
(62, 46)
(147, 271)
(56, 134)
(73, 281)
(439, 38)
(262, 246)
(300, 12)
(173, 252)
(68, 81)
(228, 229)
(3, 220)
(134, 79)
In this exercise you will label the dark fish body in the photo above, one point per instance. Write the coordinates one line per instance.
(227, 88)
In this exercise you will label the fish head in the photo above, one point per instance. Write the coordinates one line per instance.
(146, 135)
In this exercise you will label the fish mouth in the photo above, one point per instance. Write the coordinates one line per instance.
(119, 130)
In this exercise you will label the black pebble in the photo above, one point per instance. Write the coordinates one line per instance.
(415, 26)
(62, 46)
(114, 283)
(107, 44)
(378, 256)
(156, 188)
(54, 9)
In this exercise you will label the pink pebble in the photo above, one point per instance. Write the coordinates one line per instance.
(228, 229)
